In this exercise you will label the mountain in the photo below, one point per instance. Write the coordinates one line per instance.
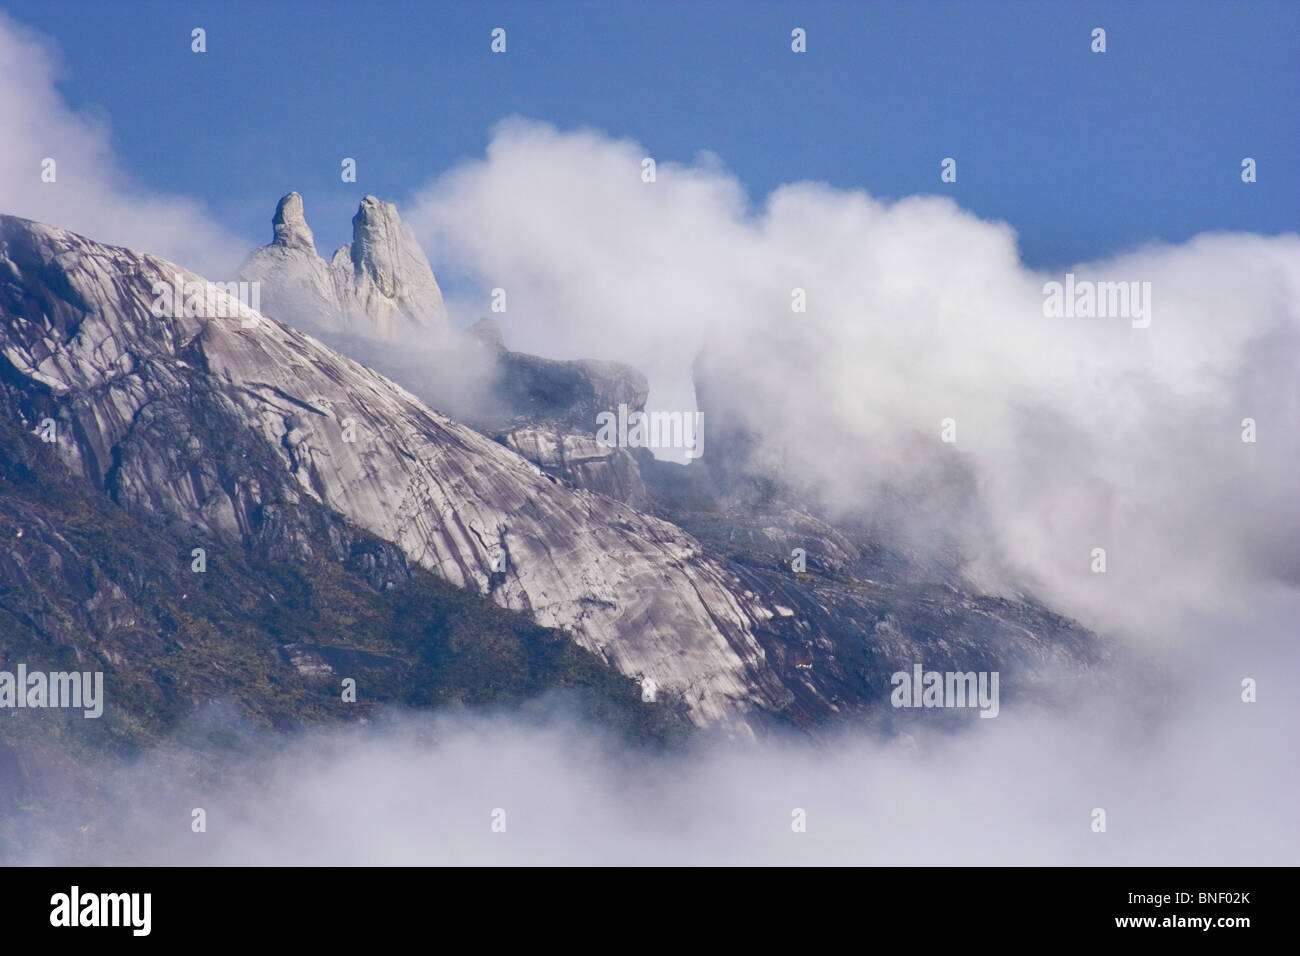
(541, 408)
(380, 284)
(207, 425)
(224, 428)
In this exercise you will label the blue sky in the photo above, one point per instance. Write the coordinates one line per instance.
(1084, 154)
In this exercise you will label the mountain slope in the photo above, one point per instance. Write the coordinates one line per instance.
(173, 416)
(251, 435)
(85, 585)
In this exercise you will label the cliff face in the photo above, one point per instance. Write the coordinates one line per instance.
(208, 423)
(378, 285)
(229, 427)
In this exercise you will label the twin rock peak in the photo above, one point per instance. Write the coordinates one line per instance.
(380, 285)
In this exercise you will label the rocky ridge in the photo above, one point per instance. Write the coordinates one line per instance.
(238, 431)
(380, 284)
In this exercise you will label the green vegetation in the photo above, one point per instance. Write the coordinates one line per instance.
(85, 585)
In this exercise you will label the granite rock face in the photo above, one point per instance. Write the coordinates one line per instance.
(546, 410)
(290, 226)
(581, 461)
(383, 275)
(160, 411)
(249, 431)
(377, 300)
(380, 285)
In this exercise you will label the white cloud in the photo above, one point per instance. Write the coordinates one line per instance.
(1073, 433)
(1186, 773)
(90, 195)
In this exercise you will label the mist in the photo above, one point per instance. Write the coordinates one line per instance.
(89, 193)
(1071, 433)
(1186, 772)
